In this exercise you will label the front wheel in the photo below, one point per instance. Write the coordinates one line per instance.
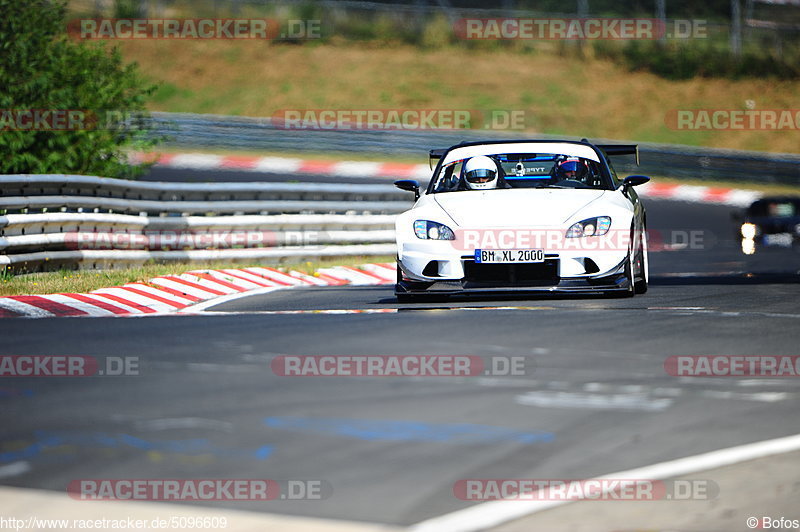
(630, 274)
(405, 297)
(640, 285)
(402, 298)
(416, 297)
(630, 279)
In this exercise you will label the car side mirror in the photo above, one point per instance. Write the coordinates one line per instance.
(410, 185)
(635, 180)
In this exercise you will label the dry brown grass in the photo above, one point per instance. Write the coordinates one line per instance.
(565, 95)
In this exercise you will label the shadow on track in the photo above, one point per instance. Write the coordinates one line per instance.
(732, 279)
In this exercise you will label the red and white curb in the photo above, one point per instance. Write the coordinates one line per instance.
(367, 169)
(188, 292)
(699, 194)
(285, 165)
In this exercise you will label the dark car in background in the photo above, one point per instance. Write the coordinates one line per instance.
(772, 221)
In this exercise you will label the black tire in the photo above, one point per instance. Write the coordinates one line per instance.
(402, 298)
(631, 291)
(416, 298)
(640, 286)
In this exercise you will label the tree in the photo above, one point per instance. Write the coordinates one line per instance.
(43, 70)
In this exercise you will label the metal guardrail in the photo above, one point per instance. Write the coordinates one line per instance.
(26, 224)
(666, 160)
(79, 185)
(106, 223)
(29, 203)
(71, 231)
(29, 193)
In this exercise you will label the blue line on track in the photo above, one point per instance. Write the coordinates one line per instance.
(376, 430)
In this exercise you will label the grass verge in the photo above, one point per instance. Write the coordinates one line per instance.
(82, 281)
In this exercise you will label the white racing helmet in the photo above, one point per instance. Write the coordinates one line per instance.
(481, 173)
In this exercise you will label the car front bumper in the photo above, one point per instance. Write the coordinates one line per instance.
(546, 278)
(576, 265)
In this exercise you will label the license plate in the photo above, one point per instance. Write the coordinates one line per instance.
(503, 256)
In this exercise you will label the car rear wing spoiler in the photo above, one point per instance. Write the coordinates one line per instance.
(620, 149)
(609, 149)
(435, 155)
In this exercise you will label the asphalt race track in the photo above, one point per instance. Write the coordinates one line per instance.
(595, 397)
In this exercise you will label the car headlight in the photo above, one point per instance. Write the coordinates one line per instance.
(427, 230)
(590, 227)
(749, 230)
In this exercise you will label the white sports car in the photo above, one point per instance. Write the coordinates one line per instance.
(518, 216)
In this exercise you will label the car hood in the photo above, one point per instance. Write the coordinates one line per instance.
(544, 207)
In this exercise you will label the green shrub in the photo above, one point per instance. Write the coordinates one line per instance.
(685, 60)
(127, 9)
(43, 69)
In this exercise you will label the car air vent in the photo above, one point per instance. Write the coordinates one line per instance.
(431, 269)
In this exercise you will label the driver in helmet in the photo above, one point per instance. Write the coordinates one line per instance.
(480, 173)
(571, 168)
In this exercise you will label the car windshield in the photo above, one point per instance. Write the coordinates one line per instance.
(774, 208)
(524, 170)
